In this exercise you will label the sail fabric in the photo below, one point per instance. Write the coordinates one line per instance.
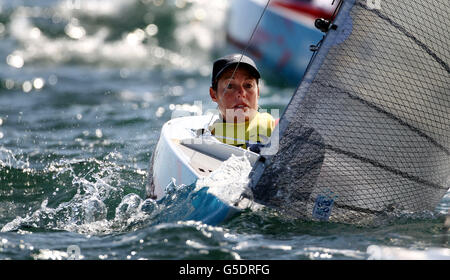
(367, 132)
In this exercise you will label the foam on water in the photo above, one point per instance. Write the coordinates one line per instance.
(376, 252)
(8, 159)
(89, 210)
(229, 181)
(86, 211)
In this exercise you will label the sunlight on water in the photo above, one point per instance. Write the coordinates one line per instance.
(89, 41)
(397, 253)
(85, 87)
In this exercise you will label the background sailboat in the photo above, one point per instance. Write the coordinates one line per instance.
(280, 45)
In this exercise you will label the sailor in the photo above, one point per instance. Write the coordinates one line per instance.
(235, 89)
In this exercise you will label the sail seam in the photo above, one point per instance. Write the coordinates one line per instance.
(385, 167)
(359, 209)
(392, 116)
(377, 164)
(409, 35)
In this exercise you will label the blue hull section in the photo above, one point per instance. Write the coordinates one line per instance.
(209, 209)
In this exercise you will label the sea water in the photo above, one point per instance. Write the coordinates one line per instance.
(85, 87)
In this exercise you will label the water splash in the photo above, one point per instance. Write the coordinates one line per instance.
(83, 196)
(229, 181)
(376, 252)
(9, 159)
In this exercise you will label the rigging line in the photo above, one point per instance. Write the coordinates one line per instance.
(337, 8)
(409, 35)
(321, 40)
(248, 43)
(317, 46)
(245, 50)
(283, 117)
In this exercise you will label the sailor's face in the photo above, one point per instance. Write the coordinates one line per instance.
(236, 95)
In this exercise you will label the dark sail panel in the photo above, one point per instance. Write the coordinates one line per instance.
(368, 130)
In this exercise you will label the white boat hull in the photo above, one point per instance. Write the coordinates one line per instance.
(181, 157)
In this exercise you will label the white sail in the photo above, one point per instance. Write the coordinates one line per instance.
(367, 132)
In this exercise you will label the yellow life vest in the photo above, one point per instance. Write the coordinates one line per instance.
(257, 130)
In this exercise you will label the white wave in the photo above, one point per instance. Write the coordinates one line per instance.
(317, 253)
(376, 252)
(229, 181)
(9, 159)
(86, 212)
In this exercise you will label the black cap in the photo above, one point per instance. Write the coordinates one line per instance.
(221, 64)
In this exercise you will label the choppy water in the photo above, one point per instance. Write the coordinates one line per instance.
(85, 87)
